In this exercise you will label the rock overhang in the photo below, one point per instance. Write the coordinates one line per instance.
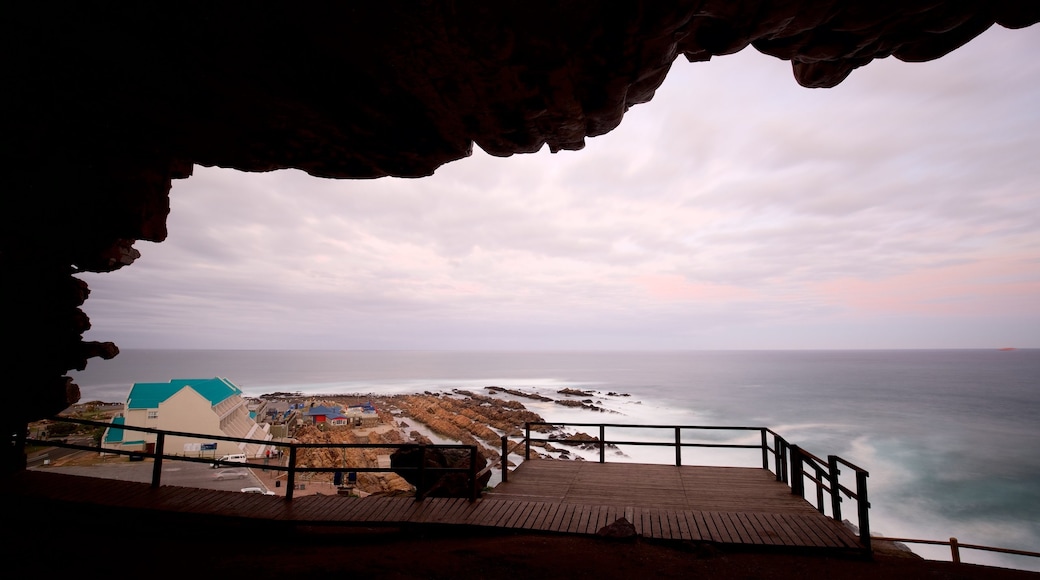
(108, 103)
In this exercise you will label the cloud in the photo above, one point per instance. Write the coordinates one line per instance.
(735, 210)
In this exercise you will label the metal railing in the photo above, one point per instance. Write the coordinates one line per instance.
(791, 464)
(956, 546)
(425, 475)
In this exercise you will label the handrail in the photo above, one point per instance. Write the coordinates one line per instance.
(678, 444)
(291, 469)
(955, 547)
(790, 463)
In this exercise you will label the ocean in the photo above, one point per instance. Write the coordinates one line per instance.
(950, 437)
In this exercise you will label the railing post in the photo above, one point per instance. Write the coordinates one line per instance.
(955, 551)
(505, 459)
(602, 448)
(422, 473)
(473, 473)
(19, 446)
(678, 447)
(863, 511)
(160, 440)
(777, 458)
(290, 479)
(527, 441)
(765, 450)
(797, 480)
(819, 488)
(832, 464)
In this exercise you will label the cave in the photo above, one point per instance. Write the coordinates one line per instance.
(109, 103)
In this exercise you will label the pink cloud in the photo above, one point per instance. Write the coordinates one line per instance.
(986, 287)
(679, 289)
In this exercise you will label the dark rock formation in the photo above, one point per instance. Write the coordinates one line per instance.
(108, 102)
(438, 483)
(518, 393)
(576, 392)
(621, 529)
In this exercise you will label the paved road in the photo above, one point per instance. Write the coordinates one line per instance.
(180, 473)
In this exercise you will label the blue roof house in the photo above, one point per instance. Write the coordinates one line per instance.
(208, 406)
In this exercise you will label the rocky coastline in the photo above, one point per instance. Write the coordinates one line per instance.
(459, 416)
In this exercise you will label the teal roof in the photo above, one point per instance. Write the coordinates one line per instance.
(149, 395)
(115, 435)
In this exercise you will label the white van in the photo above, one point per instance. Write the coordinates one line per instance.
(235, 458)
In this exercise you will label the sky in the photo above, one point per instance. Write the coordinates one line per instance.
(736, 210)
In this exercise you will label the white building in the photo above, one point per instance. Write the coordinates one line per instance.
(208, 406)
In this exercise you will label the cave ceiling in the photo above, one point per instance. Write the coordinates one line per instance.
(110, 101)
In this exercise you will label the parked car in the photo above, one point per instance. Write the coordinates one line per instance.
(259, 490)
(231, 474)
(236, 458)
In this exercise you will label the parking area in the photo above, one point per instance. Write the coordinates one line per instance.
(179, 473)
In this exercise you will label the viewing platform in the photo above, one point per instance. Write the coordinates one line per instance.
(761, 507)
(735, 506)
(792, 502)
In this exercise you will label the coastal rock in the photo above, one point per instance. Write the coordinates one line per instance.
(436, 484)
(621, 529)
(586, 404)
(376, 483)
(517, 393)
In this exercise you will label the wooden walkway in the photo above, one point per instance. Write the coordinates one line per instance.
(724, 505)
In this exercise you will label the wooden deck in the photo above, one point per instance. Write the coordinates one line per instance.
(740, 506)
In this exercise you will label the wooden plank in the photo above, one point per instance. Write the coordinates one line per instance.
(580, 519)
(763, 529)
(756, 534)
(662, 528)
(791, 536)
(647, 522)
(545, 518)
(724, 533)
(737, 523)
(607, 515)
(376, 508)
(596, 516)
(511, 511)
(536, 516)
(697, 522)
(574, 513)
(477, 514)
(683, 525)
(519, 514)
(723, 522)
(450, 510)
(833, 531)
(553, 523)
(812, 538)
(570, 513)
(678, 525)
(439, 510)
(493, 516)
(394, 505)
(612, 515)
(351, 507)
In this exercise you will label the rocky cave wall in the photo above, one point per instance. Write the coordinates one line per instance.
(109, 102)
